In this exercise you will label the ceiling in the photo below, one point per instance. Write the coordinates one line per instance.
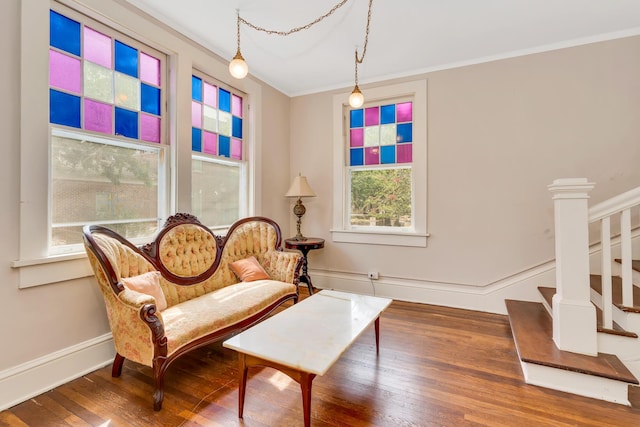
(407, 37)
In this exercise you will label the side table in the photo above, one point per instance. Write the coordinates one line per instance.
(305, 246)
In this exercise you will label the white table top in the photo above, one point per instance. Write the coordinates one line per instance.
(312, 334)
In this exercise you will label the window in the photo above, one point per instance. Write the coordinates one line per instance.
(380, 167)
(107, 154)
(218, 179)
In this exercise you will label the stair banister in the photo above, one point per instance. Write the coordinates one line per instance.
(574, 317)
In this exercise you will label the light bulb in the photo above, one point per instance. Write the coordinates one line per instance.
(238, 67)
(356, 99)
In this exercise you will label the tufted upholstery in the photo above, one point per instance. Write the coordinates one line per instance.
(205, 300)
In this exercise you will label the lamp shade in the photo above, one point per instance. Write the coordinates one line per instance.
(300, 188)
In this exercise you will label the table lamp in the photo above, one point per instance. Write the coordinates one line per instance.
(299, 188)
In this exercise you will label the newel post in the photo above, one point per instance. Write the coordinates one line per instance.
(574, 317)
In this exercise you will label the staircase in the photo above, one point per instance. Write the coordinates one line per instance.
(582, 336)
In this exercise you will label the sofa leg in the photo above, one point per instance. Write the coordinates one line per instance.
(158, 397)
(158, 379)
(116, 369)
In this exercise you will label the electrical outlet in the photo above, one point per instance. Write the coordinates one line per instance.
(372, 275)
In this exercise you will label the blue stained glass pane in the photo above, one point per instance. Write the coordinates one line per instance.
(196, 140)
(405, 132)
(224, 146)
(236, 128)
(64, 33)
(126, 123)
(224, 101)
(388, 154)
(388, 114)
(356, 157)
(150, 99)
(64, 109)
(126, 59)
(356, 118)
(196, 88)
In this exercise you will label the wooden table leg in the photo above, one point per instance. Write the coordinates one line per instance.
(242, 359)
(305, 385)
(377, 326)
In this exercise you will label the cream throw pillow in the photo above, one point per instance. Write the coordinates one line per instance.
(147, 283)
(248, 269)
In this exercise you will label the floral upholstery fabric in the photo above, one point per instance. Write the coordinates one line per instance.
(187, 250)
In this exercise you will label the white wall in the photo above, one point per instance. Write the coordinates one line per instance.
(498, 134)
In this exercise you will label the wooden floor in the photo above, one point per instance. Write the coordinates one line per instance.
(437, 367)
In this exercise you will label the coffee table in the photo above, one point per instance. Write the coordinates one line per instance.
(307, 338)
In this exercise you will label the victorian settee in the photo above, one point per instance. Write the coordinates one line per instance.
(188, 287)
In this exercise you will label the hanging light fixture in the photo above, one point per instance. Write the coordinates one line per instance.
(356, 99)
(238, 67)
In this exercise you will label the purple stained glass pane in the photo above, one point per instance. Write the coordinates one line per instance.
(357, 138)
(236, 106)
(372, 155)
(97, 48)
(149, 128)
(196, 114)
(149, 69)
(236, 148)
(404, 111)
(98, 117)
(404, 153)
(64, 72)
(210, 143)
(371, 116)
(210, 95)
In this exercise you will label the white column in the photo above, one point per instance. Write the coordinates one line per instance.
(574, 317)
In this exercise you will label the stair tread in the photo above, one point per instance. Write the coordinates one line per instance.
(532, 330)
(635, 263)
(616, 290)
(548, 293)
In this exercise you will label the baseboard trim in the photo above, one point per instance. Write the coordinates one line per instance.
(37, 376)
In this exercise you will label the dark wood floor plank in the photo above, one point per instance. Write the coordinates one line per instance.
(437, 367)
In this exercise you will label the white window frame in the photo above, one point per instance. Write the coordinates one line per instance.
(342, 231)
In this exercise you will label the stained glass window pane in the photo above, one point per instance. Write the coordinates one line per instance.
(236, 148)
(127, 92)
(372, 116)
(98, 82)
(388, 114)
(405, 154)
(388, 134)
(210, 94)
(196, 139)
(149, 128)
(126, 123)
(371, 155)
(98, 117)
(126, 59)
(372, 136)
(356, 118)
(225, 100)
(149, 69)
(405, 132)
(196, 88)
(224, 146)
(64, 33)
(236, 127)
(64, 72)
(388, 154)
(196, 114)
(97, 48)
(356, 137)
(150, 99)
(210, 119)
(236, 106)
(64, 109)
(210, 143)
(356, 157)
(405, 111)
(224, 123)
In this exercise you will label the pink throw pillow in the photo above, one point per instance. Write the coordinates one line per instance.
(147, 283)
(248, 270)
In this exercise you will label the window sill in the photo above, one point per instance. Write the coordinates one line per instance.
(54, 269)
(418, 240)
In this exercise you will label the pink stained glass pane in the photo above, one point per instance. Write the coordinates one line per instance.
(196, 114)
(98, 117)
(149, 69)
(64, 72)
(236, 106)
(236, 148)
(210, 143)
(371, 116)
(404, 112)
(357, 138)
(210, 95)
(404, 153)
(149, 128)
(372, 156)
(97, 48)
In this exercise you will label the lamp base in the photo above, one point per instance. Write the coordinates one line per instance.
(299, 210)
